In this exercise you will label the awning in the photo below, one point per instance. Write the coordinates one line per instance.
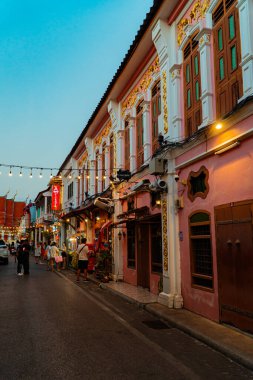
(105, 225)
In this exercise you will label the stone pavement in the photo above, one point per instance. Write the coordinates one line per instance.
(233, 343)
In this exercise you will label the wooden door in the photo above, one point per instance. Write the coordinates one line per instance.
(143, 255)
(234, 239)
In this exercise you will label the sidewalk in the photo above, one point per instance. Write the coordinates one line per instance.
(234, 344)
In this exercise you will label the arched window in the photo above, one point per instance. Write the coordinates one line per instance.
(139, 134)
(156, 111)
(192, 87)
(227, 56)
(111, 154)
(201, 250)
(96, 173)
(127, 145)
(103, 166)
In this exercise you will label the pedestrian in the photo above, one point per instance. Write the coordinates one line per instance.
(37, 253)
(43, 251)
(47, 251)
(25, 249)
(82, 253)
(54, 251)
(64, 256)
(19, 256)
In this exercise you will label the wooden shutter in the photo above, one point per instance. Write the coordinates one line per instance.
(192, 87)
(156, 111)
(111, 154)
(127, 146)
(227, 56)
(139, 135)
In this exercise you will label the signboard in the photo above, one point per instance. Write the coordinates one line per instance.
(56, 198)
(123, 174)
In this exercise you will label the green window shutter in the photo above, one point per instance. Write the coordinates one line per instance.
(197, 90)
(154, 109)
(188, 98)
(220, 39)
(231, 25)
(233, 58)
(159, 104)
(196, 65)
(221, 68)
(188, 78)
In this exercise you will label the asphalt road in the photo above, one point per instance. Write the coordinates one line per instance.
(53, 328)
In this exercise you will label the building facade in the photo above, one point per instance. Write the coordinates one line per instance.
(177, 116)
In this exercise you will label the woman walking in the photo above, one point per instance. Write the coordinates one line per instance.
(54, 251)
(82, 253)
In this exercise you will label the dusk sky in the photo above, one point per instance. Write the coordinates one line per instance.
(57, 58)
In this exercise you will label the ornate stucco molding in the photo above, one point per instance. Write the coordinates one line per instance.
(103, 134)
(197, 12)
(165, 234)
(141, 87)
(165, 107)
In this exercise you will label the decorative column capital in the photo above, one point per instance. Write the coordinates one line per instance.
(204, 38)
(131, 121)
(175, 71)
(120, 133)
(146, 106)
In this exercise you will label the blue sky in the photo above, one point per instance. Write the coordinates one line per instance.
(57, 58)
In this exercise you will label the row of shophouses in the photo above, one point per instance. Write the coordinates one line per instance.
(162, 172)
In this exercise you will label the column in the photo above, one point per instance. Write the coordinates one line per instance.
(245, 8)
(107, 166)
(92, 176)
(146, 130)
(132, 133)
(85, 188)
(100, 174)
(207, 78)
(121, 148)
(160, 36)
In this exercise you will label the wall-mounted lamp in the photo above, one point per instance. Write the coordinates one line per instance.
(218, 126)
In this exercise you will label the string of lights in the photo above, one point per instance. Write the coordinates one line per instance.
(32, 169)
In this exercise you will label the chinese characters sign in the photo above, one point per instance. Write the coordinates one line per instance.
(56, 192)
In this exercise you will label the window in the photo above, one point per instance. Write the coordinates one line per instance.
(70, 190)
(156, 111)
(111, 154)
(130, 245)
(201, 250)
(227, 56)
(192, 87)
(139, 135)
(198, 184)
(96, 173)
(103, 166)
(127, 145)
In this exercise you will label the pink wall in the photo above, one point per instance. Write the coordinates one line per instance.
(230, 180)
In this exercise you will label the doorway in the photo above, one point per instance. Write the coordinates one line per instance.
(234, 240)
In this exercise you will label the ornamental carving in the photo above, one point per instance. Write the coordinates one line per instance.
(105, 132)
(165, 107)
(165, 234)
(83, 159)
(141, 87)
(196, 13)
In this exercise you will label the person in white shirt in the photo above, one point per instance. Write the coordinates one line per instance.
(82, 253)
(54, 251)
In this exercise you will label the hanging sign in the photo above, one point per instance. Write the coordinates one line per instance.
(56, 191)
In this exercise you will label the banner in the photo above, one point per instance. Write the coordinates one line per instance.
(56, 199)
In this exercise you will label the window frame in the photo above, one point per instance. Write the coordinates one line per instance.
(192, 106)
(139, 134)
(155, 101)
(193, 255)
(228, 89)
(127, 144)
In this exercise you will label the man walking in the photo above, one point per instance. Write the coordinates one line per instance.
(24, 250)
(82, 253)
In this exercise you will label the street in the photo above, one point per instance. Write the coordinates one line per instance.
(53, 328)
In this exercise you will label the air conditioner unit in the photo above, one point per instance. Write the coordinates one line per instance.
(140, 185)
(157, 166)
